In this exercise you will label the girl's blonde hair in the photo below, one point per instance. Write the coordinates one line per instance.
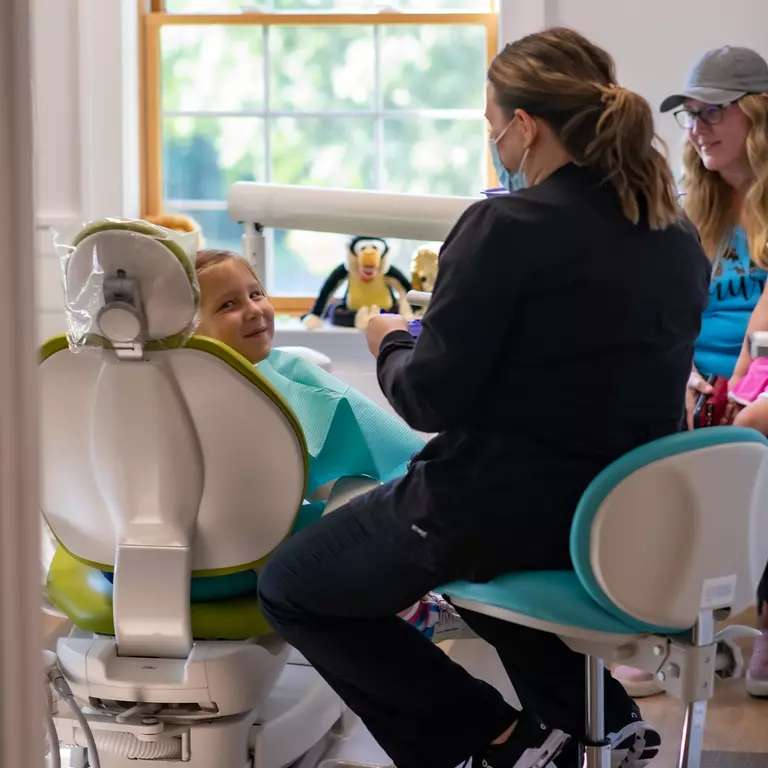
(709, 201)
(561, 77)
(211, 257)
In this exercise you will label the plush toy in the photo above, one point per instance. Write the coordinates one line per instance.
(423, 272)
(178, 222)
(372, 285)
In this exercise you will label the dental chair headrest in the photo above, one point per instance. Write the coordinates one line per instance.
(130, 284)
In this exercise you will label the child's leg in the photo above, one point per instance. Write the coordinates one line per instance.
(754, 416)
(436, 619)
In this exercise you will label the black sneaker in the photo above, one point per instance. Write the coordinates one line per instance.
(635, 745)
(531, 745)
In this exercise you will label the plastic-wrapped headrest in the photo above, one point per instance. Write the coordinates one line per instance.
(129, 281)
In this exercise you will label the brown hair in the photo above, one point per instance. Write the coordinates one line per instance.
(570, 83)
(212, 257)
(709, 201)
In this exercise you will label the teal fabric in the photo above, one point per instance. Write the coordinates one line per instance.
(574, 598)
(347, 434)
(737, 284)
(557, 597)
(612, 475)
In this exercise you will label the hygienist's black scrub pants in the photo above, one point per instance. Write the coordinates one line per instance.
(333, 592)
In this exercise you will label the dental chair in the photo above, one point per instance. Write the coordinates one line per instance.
(149, 473)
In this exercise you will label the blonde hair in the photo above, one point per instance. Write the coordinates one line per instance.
(212, 257)
(709, 200)
(567, 81)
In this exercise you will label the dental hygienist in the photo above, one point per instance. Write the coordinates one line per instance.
(560, 336)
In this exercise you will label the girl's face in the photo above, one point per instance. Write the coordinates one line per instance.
(236, 311)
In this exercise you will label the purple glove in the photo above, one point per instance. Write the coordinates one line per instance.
(414, 326)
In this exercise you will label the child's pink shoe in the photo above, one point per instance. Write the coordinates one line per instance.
(757, 674)
(638, 684)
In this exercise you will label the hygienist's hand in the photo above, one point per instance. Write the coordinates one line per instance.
(380, 326)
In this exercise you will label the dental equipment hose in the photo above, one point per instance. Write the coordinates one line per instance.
(61, 686)
(50, 732)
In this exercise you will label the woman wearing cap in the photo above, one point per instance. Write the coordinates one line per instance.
(724, 109)
(554, 265)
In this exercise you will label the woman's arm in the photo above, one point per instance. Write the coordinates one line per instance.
(432, 384)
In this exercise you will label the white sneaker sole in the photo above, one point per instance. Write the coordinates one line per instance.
(542, 756)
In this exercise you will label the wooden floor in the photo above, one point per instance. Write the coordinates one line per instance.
(735, 721)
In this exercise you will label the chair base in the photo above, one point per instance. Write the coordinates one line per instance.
(693, 735)
(300, 719)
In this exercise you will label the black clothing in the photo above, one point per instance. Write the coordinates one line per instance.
(559, 337)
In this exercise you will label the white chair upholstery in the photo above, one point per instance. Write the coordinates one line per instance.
(163, 461)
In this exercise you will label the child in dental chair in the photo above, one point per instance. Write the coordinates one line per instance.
(236, 311)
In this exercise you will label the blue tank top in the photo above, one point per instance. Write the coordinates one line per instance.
(736, 285)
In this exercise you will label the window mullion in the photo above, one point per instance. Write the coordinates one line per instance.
(378, 119)
(267, 123)
(268, 232)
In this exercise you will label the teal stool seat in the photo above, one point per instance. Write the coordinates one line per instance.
(557, 597)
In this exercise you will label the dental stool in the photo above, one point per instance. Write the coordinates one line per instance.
(665, 541)
(166, 457)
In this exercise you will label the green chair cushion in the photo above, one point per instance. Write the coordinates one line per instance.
(83, 594)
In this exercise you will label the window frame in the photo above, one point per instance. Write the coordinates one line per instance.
(153, 17)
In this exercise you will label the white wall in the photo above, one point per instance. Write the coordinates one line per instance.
(86, 85)
(86, 127)
(653, 42)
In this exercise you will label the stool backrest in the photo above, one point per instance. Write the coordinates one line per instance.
(676, 527)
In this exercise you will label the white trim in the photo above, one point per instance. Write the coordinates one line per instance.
(57, 220)
(108, 74)
(21, 627)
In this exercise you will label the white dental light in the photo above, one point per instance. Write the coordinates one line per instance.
(343, 211)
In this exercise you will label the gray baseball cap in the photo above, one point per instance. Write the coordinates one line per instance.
(722, 76)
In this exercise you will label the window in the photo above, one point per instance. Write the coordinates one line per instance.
(319, 92)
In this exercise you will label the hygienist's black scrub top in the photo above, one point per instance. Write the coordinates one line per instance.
(560, 336)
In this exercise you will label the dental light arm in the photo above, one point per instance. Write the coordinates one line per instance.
(419, 298)
(342, 211)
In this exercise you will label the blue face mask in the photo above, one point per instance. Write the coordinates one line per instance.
(505, 178)
(511, 181)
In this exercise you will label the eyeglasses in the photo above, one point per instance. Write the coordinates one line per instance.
(712, 114)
